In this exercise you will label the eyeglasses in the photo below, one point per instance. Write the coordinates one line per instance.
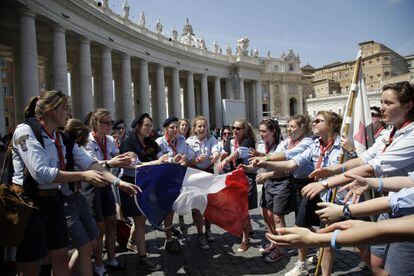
(317, 121)
(377, 115)
(237, 128)
(108, 123)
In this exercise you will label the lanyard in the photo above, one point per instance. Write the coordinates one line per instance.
(323, 149)
(58, 147)
(101, 146)
(391, 138)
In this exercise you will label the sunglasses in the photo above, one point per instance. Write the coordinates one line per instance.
(119, 128)
(317, 121)
(226, 133)
(108, 123)
(237, 128)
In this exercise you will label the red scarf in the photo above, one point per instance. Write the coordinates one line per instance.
(172, 144)
(101, 146)
(59, 149)
(323, 149)
(268, 148)
(378, 132)
(292, 144)
(391, 138)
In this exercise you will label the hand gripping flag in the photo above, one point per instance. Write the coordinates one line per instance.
(222, 199)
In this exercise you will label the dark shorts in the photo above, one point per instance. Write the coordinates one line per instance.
(277, 196)
(128, 206)
(252, 191)
(82, 227)
(306, 216)
(46, 230)
(102, 201)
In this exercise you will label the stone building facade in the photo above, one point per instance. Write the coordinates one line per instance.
(103, 59)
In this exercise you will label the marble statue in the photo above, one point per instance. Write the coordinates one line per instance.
(174, 33)
(125, 6)
(215, 47)
(141, 19)
(268, 54)
(158, 27)
(228, 50)
(220, 51)
(202, 43)
(256, 53)
(242, 45)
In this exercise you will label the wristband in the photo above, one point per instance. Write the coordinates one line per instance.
(380, 184)
(107, 166)
(267, 158)
(333, 239)
(343, 168)
(116, 182)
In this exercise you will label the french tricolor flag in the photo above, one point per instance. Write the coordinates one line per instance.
(222, 199)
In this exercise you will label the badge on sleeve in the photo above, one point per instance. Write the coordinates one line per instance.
(22, 141)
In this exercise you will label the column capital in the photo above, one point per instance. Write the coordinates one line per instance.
(143, 62)
(58, 28)
(105, 48)
(27, 12)
(84, 39)
(126, 56)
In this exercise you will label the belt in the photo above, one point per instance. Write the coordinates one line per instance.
(50, 192)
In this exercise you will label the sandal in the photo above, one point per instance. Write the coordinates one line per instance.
(243, 247)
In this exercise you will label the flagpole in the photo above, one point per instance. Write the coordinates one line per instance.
(348, 115)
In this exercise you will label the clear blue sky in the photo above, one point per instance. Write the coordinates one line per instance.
(321, 31)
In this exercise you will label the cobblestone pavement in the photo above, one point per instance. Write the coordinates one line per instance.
(221, 258)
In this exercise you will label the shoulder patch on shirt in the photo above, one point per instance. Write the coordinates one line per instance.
(22, 141)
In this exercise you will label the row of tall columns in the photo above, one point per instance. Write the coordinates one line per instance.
(189, 99)
(29, 80)
(92, 89)
(59, 59)
(205, 110)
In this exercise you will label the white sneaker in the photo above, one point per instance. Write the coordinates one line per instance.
(312, 260)
(299, 269)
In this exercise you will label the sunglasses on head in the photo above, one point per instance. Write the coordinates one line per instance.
(317, 121)
(237, 128)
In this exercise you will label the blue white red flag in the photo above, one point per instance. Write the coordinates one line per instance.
(222, 199)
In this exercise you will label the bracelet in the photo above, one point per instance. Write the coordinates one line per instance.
(343, 168)
(380, 184)
(267, 157)
(116, 182)
(333, 239)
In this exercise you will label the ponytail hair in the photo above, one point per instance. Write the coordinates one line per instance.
(29, 111)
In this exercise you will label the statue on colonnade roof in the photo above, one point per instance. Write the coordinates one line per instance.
(125, 7)
(158, 27)
(174, 33)
(141, 21)
(242, 45)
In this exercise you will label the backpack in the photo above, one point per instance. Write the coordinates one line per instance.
(16, 209)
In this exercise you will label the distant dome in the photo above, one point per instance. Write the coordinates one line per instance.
(188, 28)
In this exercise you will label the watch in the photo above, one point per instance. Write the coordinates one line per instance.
(346, 211)
(352, 154)
(325, 184)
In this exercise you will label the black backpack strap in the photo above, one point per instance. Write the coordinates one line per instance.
(70, 162)
(29, 183)
(7, 168)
